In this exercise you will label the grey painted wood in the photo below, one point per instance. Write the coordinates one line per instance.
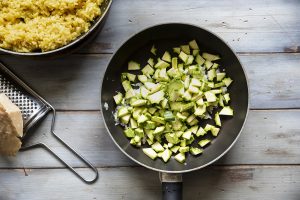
(256, 26)
(269, 137)
(222, 183)
(73, 82)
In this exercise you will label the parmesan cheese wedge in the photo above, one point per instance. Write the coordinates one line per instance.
(13, 112)
(11, 127)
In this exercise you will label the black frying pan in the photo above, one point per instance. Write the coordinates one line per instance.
(78, 43)
(165, 37)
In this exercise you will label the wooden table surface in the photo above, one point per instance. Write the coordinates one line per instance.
(264, 163)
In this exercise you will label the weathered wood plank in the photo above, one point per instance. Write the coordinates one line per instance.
(256, 26)
(223, 183)
(269, 137)
(73, 83)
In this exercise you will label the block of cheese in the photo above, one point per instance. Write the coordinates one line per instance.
(13, 112)
(11, 127)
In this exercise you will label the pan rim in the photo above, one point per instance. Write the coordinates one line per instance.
(226, 150)
(72, 43)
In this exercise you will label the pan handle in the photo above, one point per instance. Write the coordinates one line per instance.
(171, 186)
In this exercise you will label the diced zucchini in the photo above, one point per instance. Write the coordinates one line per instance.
(159, 130)
(187, 96)
(142, 78)
(220, 76)
(181, 116)
(118, 98)
(133, 123)
(144, 92)
(164, 103)
(195, 82)
(157, 147)
(227, 81)
(166, 155)
(195, 151)
(125, 119)
(211, 74)
(217, 119)
(148, 70)
(215, 131)
(151, 62)
(174, 62)
(187, 106)
(161, 64)
(158, 119)
(122, 111)
(194, 129)
(150, 153)
(200, 132)
(172, 138)
(136, 113)
(183, 56)
(163, 75)
(153, 50)
(208, 64)
(185, 49)
(215, 66)
(176, 50)
(187, 134)
(184, 149)
(168, 115)
(149, 85)
(164, 107)
(139, 132)
(157, 97)
(208, 127)
(129, 133)
(142, 119)
(139, 102)
(194, 122)
(189, 60)
(210, 97)
(176, 125)
(132, 65)
(150, 125)
(149, 141)
(200, 102)
(210, 57)
(193, 44)
(175, 149)
(167, 57)
(204, 142)
(180, 157)
(126, 85)
(130, 93)
(199, 60)
(226, 111)
(196, 52)
(226, 97)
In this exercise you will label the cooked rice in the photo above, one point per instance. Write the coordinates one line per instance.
(43, 25)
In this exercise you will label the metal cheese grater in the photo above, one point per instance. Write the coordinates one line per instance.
(34, 108)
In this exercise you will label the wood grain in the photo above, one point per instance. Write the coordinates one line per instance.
(256, 26)
(269, 137)
(222, 183)
(73, 82)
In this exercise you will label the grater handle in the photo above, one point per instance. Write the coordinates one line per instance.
(44, 146)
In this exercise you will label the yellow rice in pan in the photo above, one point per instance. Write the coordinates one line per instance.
(43, 25)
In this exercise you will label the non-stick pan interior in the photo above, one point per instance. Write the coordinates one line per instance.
(164, 37)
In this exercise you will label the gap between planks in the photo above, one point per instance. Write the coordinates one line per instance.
(256, 109)
(239, 166)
